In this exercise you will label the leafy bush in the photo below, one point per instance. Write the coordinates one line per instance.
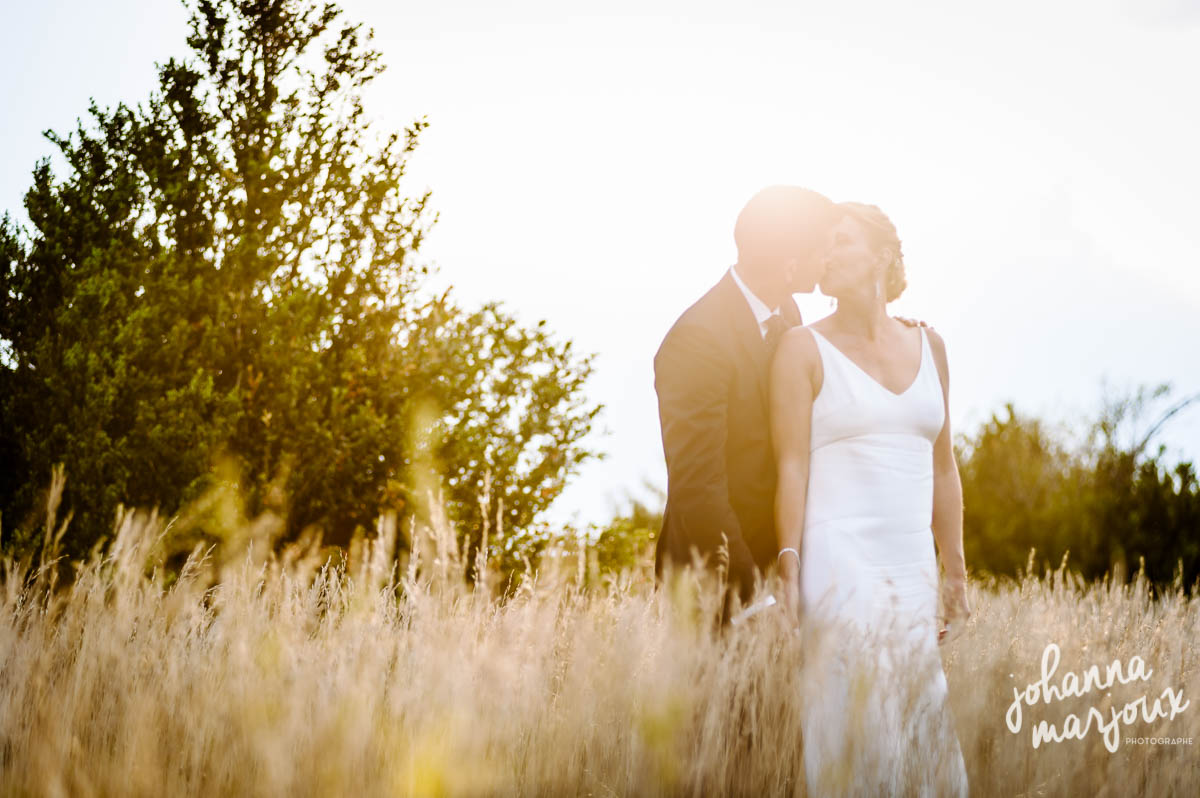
(1105, 501)
(626, 543)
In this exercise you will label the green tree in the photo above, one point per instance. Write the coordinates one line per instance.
(1138, 508)
(1015, 472)
(228, 268)
(1105, 500)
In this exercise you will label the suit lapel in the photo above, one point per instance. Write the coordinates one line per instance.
(747, 333)
(742, 321)
(745, 330)
(791, 316)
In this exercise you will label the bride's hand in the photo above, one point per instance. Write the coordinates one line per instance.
(957, 606)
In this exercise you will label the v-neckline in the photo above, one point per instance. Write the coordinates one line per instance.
(865, 373)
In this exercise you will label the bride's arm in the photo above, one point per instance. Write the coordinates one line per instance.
(794, 385)
(947, 498)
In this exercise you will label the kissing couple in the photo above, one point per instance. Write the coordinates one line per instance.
(823, 454)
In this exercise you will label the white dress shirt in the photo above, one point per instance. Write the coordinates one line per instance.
(759, 308)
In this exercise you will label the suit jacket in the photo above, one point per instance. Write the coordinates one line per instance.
(710, 374)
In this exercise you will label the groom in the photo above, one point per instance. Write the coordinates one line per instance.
(711, 377)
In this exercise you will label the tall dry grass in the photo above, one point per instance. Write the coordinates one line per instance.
(279, 675)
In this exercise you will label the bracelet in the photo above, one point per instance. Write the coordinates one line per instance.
(785, 551)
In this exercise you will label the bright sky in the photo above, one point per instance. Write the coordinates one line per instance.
(1038, 158)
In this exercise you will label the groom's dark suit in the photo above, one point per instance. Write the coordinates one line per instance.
(711, 377)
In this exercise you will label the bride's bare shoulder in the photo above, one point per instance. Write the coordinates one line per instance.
(796, 371)
(797, 343)
(937, 345)
(798, 359)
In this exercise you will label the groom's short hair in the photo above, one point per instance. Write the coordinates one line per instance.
(782, 221)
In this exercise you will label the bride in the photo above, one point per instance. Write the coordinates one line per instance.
(867, 483)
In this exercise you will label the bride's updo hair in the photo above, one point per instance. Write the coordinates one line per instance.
(882, 235)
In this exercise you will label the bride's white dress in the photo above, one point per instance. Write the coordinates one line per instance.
(875, 715)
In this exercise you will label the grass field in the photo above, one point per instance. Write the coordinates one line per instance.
(281, 675)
